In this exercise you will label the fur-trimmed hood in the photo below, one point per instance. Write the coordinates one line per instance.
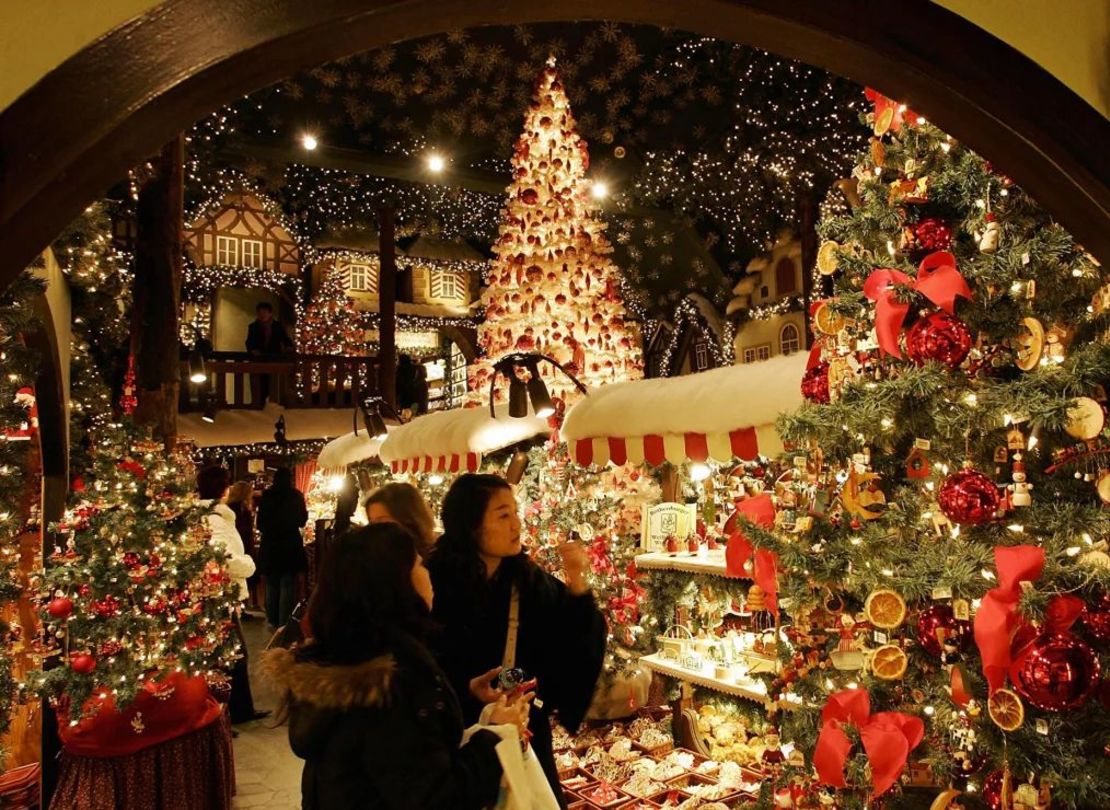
(331, 687)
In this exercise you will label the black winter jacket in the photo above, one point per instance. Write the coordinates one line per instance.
(560, 642)
(383, 734)
(281, 515)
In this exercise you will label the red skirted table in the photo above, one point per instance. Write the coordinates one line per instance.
(170, 749)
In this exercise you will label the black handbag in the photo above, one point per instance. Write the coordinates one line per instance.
(290, 634)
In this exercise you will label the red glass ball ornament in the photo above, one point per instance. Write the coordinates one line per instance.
(992, 791)
(815, 384)
(131, 559)
(933, 233)
(1057, 671)
(529, 196)
(969, 498)
(938, 628)
(1096, 618)
(60, 607)
(82, 663)
(941, 337)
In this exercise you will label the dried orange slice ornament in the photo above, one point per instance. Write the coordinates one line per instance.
(889, 662)
(826, 258)
(1006, 710)
(885, 609)
(828, 322)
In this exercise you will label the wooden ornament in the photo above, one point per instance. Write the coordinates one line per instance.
(1029, 344)
(1086, 419)
(1102, 485)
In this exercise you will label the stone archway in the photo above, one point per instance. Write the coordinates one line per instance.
(115, 102)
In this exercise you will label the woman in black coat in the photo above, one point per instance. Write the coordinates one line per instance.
(281, 516)
(369, 710)
(561, 635)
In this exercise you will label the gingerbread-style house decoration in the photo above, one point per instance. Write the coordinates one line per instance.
(239, 252)
(767, 304)
(697, 338)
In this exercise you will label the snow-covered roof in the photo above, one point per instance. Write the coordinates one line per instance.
(709, 314)
(235, 427)
(456, 440)
(350, 448)
(434, 247)
(721, 413)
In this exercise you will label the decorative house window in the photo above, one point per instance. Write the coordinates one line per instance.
(227, 251)
(361, 278)
(445, 284)
(760, 352)
(789, 339)
(786, 280)
(701, 355)
(252, 253)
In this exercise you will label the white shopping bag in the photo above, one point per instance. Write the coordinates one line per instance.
(524, 785)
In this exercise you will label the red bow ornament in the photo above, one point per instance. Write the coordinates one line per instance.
(937, 279)
(997, 621)
(887, 737)
(759, 511)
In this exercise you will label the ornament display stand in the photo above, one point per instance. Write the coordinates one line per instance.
(704, 562)
(755, 691)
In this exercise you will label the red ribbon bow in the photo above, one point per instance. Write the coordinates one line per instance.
(759, 511)
(897, 116)
(997, 620)
(937, 279)
(888, 738)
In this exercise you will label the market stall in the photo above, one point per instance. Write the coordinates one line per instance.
(455, 441)
(350, 448)
(715, 626)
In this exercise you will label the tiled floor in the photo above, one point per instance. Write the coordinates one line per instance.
(266, 771)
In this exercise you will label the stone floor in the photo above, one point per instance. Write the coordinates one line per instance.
(267, 773)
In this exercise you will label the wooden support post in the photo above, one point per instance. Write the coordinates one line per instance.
(670, 484)
(157, 291)
(387, 307)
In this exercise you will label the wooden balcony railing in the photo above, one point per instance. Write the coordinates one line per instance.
(240, 380)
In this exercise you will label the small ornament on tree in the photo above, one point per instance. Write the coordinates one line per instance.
(969, 498)
(932, 233)
(940, 633)
(988, 242)
(1019, 490)
(815, 384)
(129, 399)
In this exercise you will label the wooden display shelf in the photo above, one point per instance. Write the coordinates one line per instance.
(704, 562)
(752, 690)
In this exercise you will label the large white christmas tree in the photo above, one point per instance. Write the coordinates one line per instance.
(552, 287)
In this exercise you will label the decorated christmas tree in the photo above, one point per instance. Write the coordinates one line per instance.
(552, 287)
(940, 543)
(331, 324)
(134, 590)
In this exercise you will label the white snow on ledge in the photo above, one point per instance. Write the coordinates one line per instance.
(458, 432)
(350, 448)
(715, 401)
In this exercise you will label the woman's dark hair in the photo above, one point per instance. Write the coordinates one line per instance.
(364, 596)
(283, 478)
(212, 481)
(464, 509)
(407, 507)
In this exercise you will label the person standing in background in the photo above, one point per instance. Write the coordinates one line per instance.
(281, 516)
(240, 499)
(265, 336)
(212, 487)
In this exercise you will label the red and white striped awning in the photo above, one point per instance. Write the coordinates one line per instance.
(723, 414)
(455, 441)
(673, 447)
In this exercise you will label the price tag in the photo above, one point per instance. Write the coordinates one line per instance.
(880, 637)
(961, 609)
(1025, 258)
(942, 592)
(1042, 726)
(922, 444)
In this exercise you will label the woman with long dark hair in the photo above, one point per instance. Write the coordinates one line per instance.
(497, 609)
(369, 710)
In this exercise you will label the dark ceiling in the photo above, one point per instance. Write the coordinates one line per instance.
(717, 139)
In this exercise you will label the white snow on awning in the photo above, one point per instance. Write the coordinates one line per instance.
(456, 440)
(722, 414)
(351, 448)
